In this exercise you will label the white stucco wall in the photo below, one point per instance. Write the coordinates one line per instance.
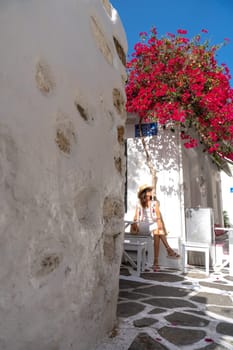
(227, 194)
(61, 172)
(202, 182)
(187, 178)
(165, 153)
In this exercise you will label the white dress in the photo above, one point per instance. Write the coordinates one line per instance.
(147, 220)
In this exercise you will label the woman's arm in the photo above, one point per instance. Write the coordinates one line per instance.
(136, 215)
(134, 229)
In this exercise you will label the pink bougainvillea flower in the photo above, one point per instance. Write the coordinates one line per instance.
(208, 340)
(182, 31)
(171, 35)
(153, 30)
(178, 80)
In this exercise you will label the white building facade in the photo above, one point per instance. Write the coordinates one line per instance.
(186, 178)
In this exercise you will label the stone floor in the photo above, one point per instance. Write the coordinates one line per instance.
(168, 310)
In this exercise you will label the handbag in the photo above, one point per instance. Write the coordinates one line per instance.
(134, 229)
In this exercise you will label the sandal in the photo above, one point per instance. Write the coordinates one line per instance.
(172, 255)
(156, 267)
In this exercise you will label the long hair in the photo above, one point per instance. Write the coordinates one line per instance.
(142, 198)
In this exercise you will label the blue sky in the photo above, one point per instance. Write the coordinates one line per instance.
(216, 16)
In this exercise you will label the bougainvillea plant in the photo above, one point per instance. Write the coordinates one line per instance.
(177, 80)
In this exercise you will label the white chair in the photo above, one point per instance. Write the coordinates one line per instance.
(195, 247)
(223, 242)
(199, 237)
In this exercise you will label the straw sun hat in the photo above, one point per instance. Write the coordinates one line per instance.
(143, 188)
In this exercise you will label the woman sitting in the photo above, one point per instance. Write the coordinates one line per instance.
(148, 217)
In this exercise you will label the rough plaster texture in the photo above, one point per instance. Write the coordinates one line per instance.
(61, 172)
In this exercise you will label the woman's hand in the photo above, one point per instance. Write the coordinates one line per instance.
(134, 228)
(134, 225)
(159, 223)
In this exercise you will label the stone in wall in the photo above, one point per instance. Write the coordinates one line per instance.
(62, 172)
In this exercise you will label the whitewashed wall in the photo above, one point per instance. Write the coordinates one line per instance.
(187, 178)
(202, 182)
(227, 195)
(61, 172)
(166, 157)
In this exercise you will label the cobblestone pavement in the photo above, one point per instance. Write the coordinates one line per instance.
(168, 310)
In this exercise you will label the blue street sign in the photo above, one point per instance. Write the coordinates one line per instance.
(148, 129)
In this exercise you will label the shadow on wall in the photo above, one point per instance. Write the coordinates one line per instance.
(163, 151)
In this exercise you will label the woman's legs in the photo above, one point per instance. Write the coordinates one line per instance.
(165, 242)
(170, 251)
(156, 249)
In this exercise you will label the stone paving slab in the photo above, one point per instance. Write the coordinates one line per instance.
(179, 336)
(225, 328)
(169, 310)
(164, 291)
(144, 342)
(169, 303)
(131, 295)
(222, 311)
(186, 320)
(144, 322)
(157, 310)
(210, 298)
(221, 286)
(126, 309)
(129, 284)
(162, 277)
